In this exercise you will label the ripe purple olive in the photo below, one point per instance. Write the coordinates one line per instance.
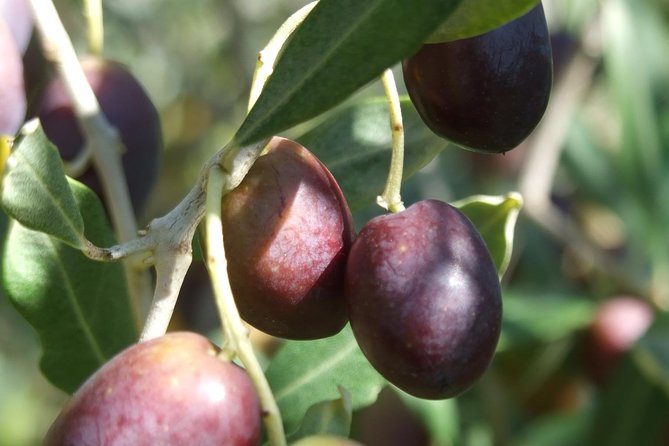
(12, 93)
(171, 390)
(127, 107)
(488, 92)
(287, 230)
(424, 299)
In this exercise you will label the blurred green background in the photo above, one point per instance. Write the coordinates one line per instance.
(594, 178)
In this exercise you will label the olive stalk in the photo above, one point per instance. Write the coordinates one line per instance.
(102, 139)
(235, 332)
(391, 199)
(94, 26)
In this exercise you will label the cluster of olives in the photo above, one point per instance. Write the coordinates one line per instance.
(418, 287)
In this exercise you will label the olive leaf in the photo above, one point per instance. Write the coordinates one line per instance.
(79, 308)
(532, 318)
(327, 418)
(305, 373)
(474, 17)
(495, 217)
(35, 191)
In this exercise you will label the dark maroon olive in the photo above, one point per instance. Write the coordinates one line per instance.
(172, 390)
(424, 299)
(488, 92)
(287, 231)
(12, 93)
(127, 107)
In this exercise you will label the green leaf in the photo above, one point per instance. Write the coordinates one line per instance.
(327, 418)
(341, 46)
(495, 217)
(440, 417)
(555, 430)
(631, 410)
(652, 352)
(474, 17)
(35, 191)
(640, 385)
(628, 41)
(78, 307)
(355, 144)
(536, 318)
(305, 373)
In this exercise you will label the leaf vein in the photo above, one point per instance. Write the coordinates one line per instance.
(76, 307)
(317, 371)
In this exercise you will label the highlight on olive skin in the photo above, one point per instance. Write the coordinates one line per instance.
(424, 299)
(485, 93)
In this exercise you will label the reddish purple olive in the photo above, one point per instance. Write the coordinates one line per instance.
(485, 93)
(424, 299)
(127, 107)
(287, 230)
(172, 390)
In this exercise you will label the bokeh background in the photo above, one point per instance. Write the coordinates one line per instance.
(594, 226)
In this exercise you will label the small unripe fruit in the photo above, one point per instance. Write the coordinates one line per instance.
(172, 390)
(424, 299)
(287, 230)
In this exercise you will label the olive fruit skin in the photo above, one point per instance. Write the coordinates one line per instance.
(424, 299)
(127, 107)
(12, 93)
(172, 390)
(485, 93)
(19, 19)
(287, 230)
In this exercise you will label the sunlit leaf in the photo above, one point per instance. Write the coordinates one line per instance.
(35, 191)
(495, 217)
(78, 307)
